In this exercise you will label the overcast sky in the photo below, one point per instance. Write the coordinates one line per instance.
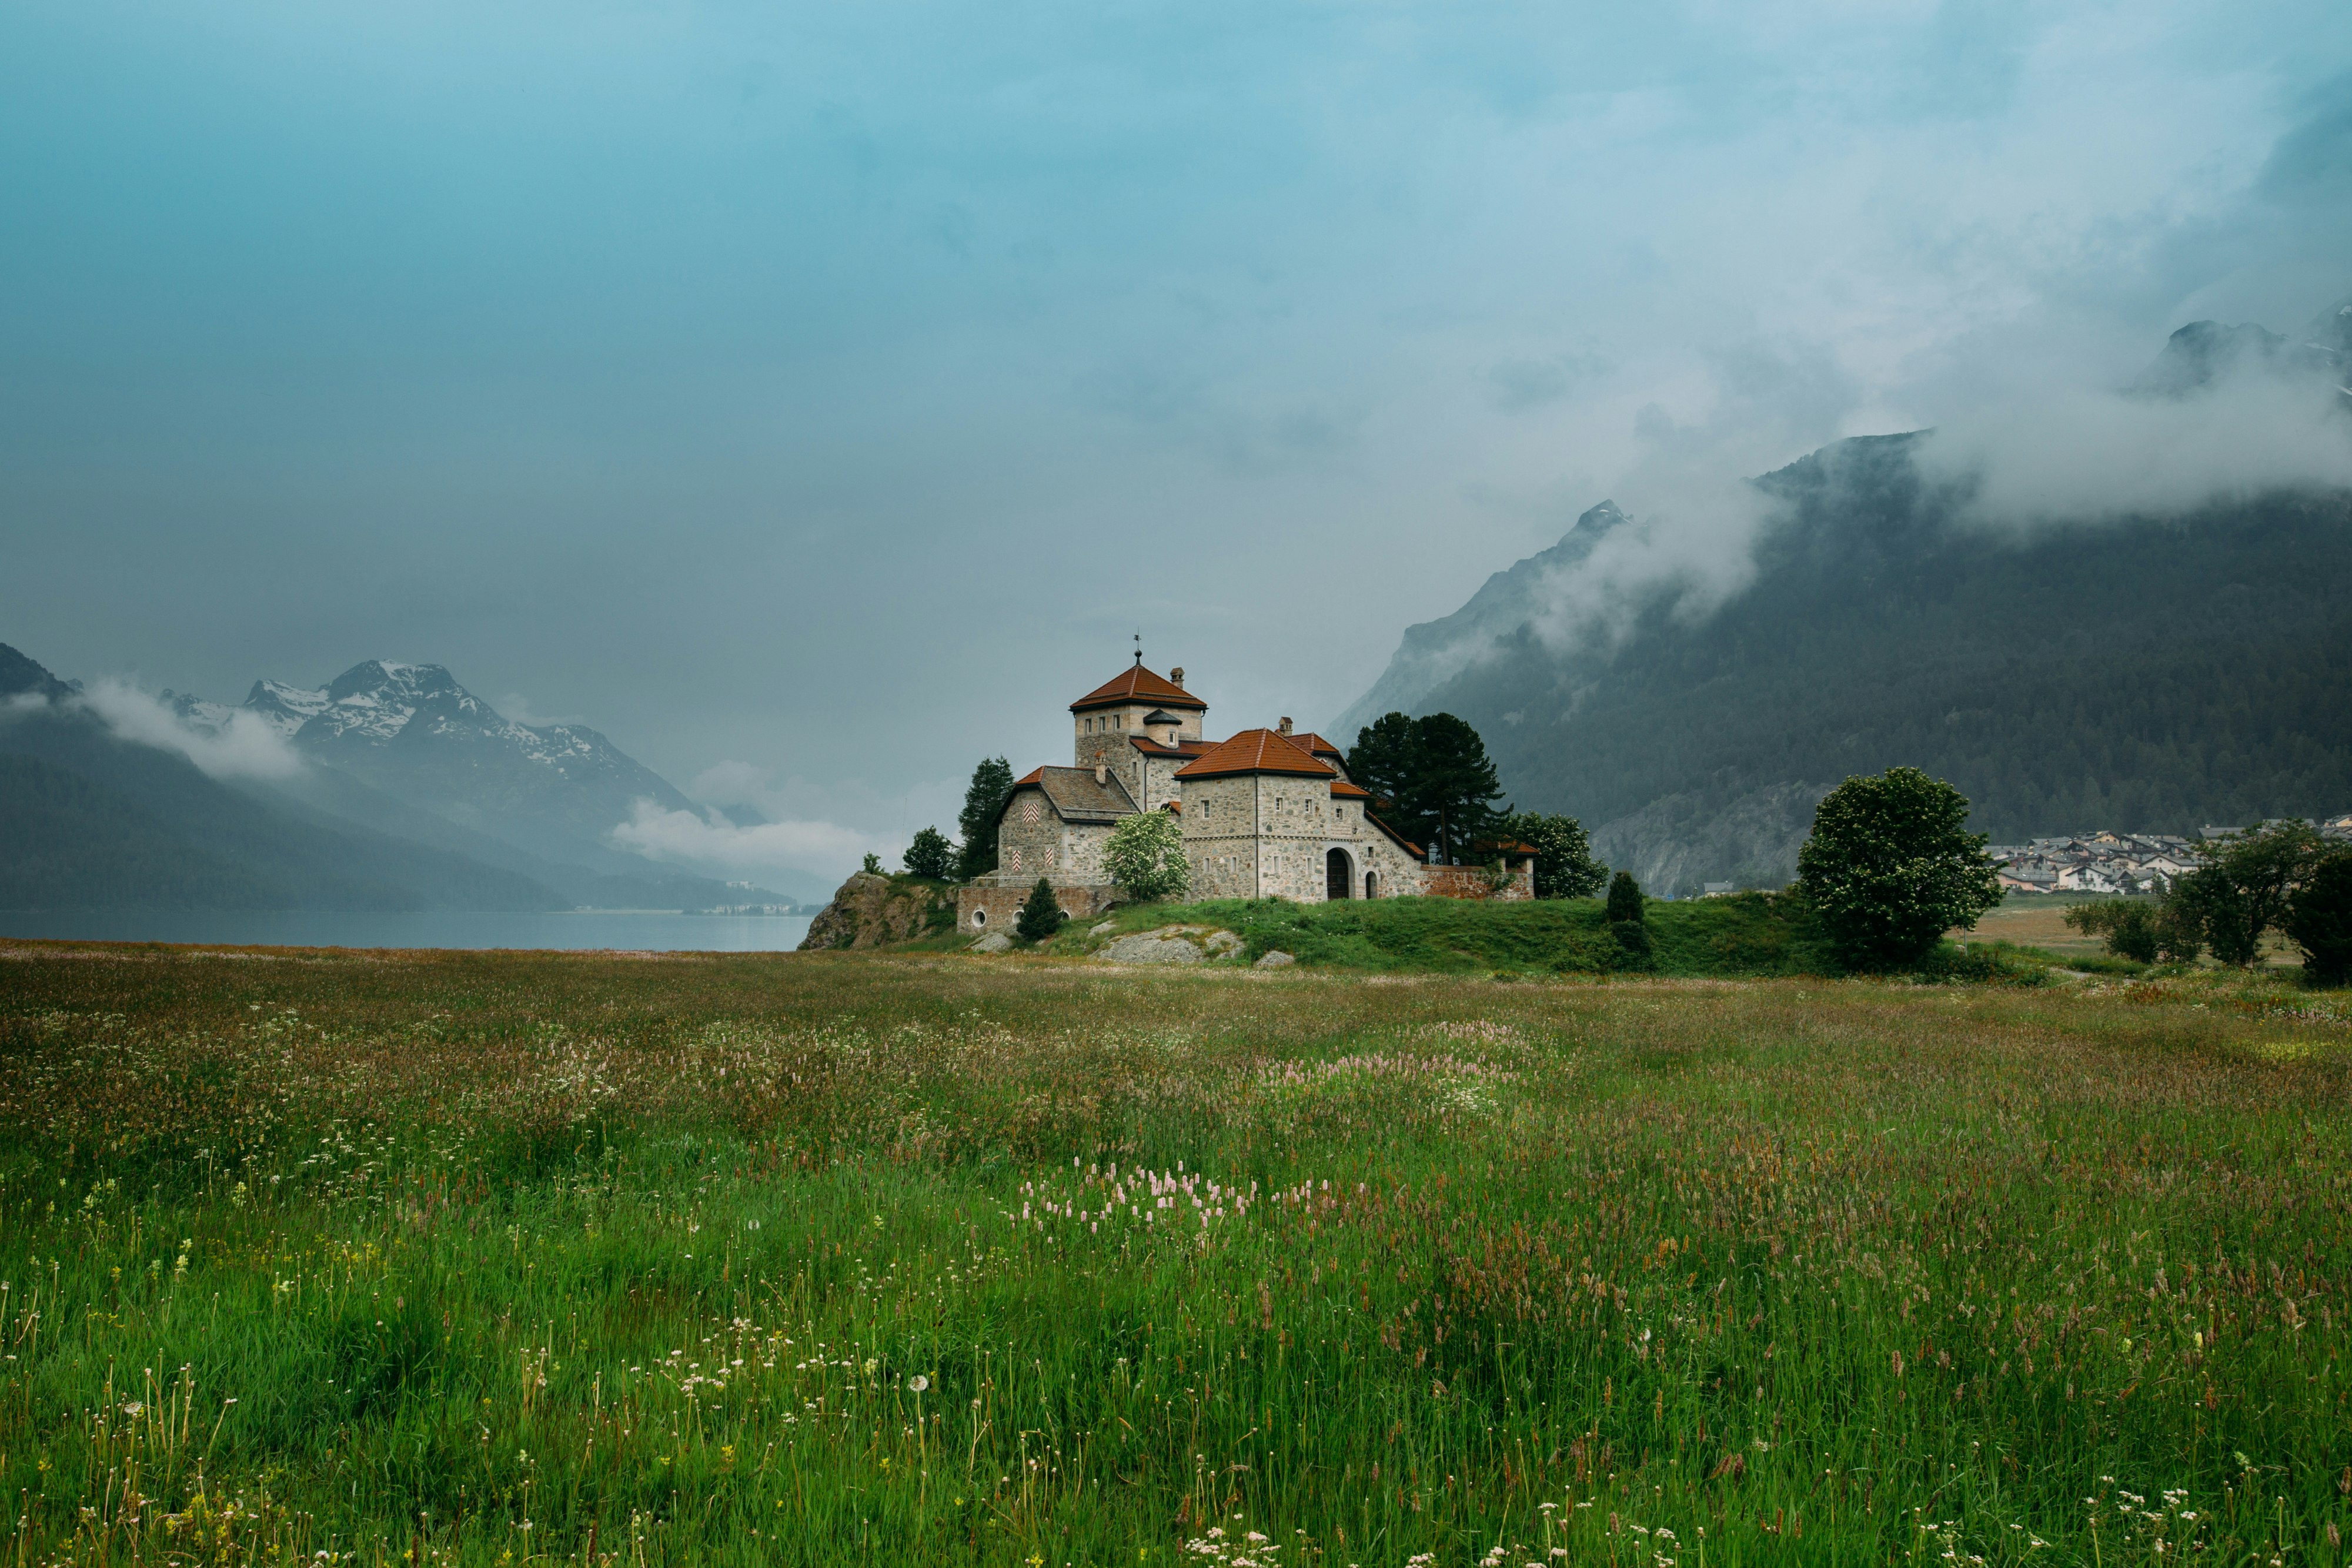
(815, 398)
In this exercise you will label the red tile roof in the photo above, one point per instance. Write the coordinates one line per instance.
(1257, 751)
(1353, 791)
(1145, 744)
(1315, 744)
(1137, 684)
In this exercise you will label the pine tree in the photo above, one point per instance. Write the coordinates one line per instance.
(983, 802)
(1626, 899)
(1040, 915)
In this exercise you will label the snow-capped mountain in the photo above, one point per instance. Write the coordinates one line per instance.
(412, 731)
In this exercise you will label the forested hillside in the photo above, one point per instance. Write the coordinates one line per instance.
(2153, 675)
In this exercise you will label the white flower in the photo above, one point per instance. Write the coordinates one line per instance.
(918, 1383)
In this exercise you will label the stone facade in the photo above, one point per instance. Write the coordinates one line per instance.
(1266, 814)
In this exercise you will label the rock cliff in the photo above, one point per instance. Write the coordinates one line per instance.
(869, 910)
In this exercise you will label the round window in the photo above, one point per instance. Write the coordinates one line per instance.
(979, 917)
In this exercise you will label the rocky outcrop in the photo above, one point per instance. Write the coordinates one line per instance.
(868, 911)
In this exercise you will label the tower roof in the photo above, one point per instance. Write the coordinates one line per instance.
(1258, 751)
(1137, 684)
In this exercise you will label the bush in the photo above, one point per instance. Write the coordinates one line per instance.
(2319, 919)
(930, 855)
(1564, 864)
(872, 866)
(1040, 915)
(2129, 926)
(1632, 938)
(1625, 899)
(1890, 866)
(1146, 857)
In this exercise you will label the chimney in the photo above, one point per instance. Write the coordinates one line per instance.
(1177, 675)
(1102, 773)
(1285, 726)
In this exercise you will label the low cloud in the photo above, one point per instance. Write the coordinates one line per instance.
(709, 842)
(240, 746)
(516, 706)
(2084, 455)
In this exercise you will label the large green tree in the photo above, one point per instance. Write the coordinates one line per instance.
(2243, 889)
(1890, 866)
(1564, 864)
(2319, 918)
(1431, 777)
(930, 855)
(983, 802)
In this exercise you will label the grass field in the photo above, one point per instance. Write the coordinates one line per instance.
(508, 1259)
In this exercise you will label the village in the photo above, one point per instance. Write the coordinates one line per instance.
(2111, 862)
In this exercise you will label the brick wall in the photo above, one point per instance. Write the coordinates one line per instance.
(1471, 882)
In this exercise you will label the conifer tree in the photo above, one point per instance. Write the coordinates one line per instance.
(1040, 915)
(983, 802)
(1625, 899)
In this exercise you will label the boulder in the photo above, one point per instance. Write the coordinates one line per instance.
(1222, 943)
(994, 942)
(1098, 930)
(1166, 946)
(1273, 960)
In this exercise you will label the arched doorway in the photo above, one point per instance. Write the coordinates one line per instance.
(1339, 876)
(1372, 885)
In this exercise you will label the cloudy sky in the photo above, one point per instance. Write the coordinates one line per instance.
(815, 398)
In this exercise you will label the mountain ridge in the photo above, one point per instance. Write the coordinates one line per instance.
(2155, 672)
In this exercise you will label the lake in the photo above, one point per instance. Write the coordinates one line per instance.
(634, 930)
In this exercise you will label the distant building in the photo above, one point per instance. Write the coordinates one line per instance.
(1265, 813)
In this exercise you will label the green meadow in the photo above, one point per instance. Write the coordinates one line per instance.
(609, 1258)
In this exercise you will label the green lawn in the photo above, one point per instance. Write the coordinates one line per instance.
(836, 1259)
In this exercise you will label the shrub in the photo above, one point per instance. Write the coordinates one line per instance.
(1890, 866)
(1632, 937)
(930, 855)
(1625, 899)
(2319, 919)
(2128, 926)
(872, 866)
(1564, 864)
(1041, 916)
(1146, 857)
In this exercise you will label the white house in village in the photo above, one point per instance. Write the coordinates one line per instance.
(1265, 813)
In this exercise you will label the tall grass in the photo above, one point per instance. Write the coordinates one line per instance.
(505, 1258)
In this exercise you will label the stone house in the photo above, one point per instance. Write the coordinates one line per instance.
(1265, 813)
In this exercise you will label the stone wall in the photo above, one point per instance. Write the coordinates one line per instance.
(982, 907)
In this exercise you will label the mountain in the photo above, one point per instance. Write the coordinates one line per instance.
(2156, 672)
(417, 794)
(95, 821)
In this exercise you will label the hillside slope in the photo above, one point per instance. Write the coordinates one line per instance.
(2155, 673)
